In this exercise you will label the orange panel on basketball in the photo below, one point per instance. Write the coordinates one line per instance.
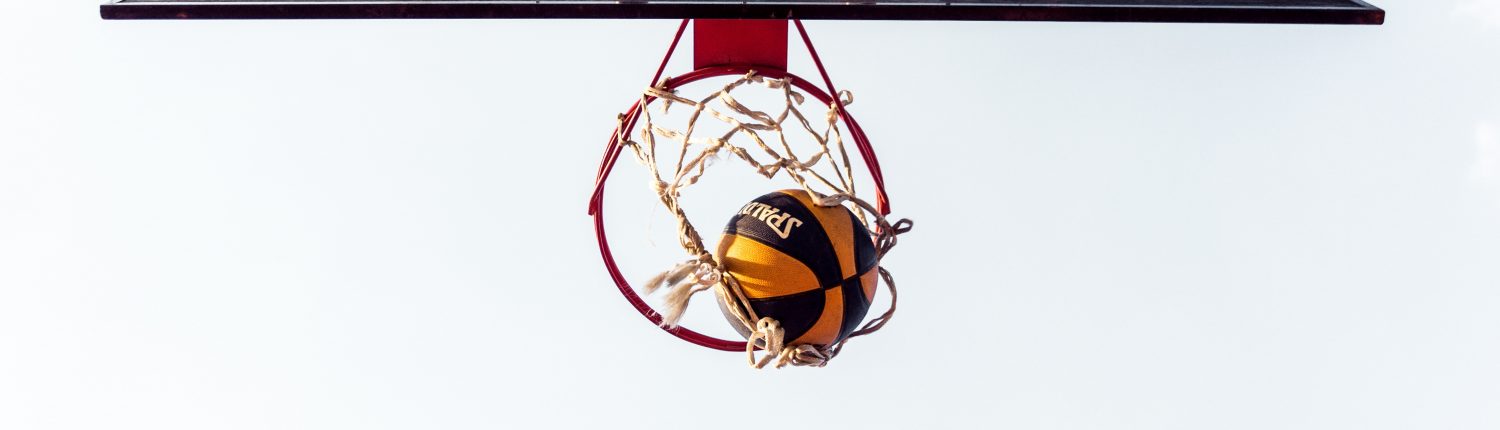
(868, 282)
(763, 271)
(826, 330)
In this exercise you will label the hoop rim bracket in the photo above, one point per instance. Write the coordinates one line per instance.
(740, 42)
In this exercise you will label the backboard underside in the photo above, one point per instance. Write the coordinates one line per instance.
(1200, 11)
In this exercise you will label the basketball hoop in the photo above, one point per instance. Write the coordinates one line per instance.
(702, 272)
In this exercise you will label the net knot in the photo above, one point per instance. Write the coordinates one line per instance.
(832, 200)
(846, 97)
(769, 334)
(662, 188)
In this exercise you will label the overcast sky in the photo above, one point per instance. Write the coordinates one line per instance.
(380, 225)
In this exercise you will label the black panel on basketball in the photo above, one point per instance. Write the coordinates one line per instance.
(797, 312)
(865, 257)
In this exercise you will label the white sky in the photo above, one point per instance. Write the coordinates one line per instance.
(372, 225)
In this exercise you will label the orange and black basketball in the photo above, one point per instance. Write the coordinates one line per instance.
(811, 268)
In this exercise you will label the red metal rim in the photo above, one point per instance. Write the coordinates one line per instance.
(612, 154)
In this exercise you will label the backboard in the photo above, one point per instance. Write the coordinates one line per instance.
(1188, 11)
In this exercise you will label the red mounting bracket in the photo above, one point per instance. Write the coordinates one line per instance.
(739, 42)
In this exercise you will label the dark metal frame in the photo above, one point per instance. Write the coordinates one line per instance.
(1220, 11)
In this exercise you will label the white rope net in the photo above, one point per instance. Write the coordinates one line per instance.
(760, 139)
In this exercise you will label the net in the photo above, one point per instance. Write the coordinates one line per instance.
(677, 157)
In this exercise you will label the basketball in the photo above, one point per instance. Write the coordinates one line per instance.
(811, 268)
